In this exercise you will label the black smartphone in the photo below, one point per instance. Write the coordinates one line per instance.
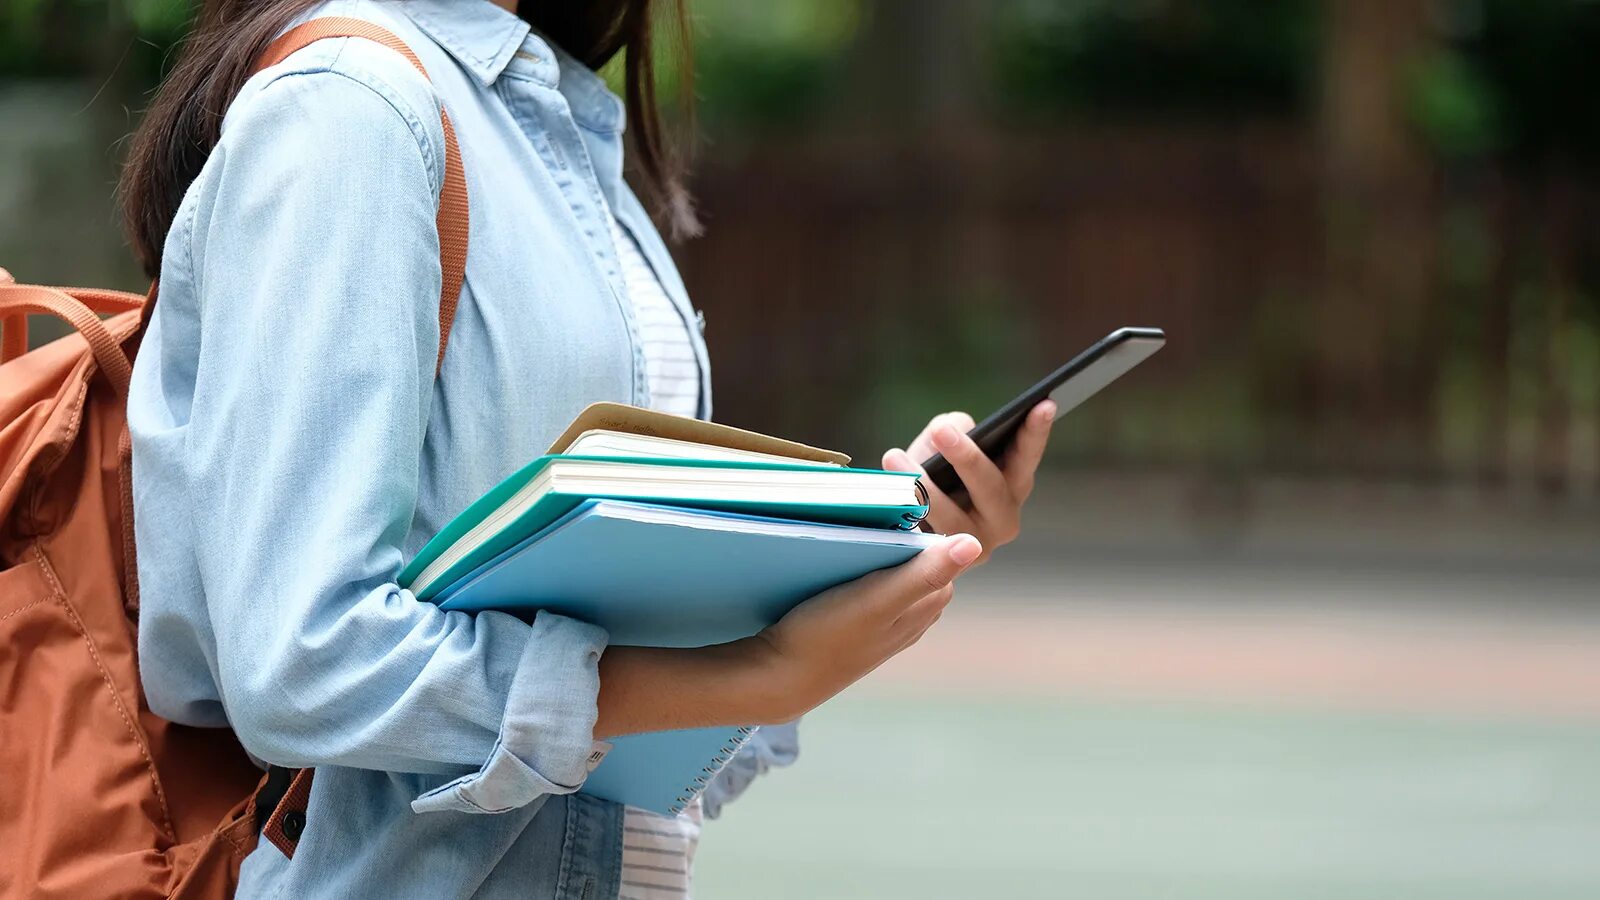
(1109, 359)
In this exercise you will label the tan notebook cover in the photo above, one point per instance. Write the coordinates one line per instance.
(634, 420)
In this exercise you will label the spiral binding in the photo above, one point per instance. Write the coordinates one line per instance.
(703, 780)
(910, 519)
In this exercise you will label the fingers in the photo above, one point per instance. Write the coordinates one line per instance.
(897, 460)
(922, 447)
(929, 571)
(960, 421)
(950, 516)
(1022, 460)
(992, 502)
(919, 615)
(937, 566)
(917, 635)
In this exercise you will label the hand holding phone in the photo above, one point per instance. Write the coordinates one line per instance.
(1069, 386)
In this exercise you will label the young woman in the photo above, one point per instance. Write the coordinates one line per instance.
(294, 445)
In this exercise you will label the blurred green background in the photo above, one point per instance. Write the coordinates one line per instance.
(1306, 605)
(1370, 226)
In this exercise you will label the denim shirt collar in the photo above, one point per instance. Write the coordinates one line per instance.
(487, 41)
(481, 36)
(593, 104)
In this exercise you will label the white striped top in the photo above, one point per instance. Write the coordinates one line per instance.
(658, 853)
(657, 850)
(670, 366)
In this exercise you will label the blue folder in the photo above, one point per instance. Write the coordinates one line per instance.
(663, 576)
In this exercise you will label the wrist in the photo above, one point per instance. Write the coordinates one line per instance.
(744, 682)
(775, 687)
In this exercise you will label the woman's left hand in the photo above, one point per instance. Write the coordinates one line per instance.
(995, 492)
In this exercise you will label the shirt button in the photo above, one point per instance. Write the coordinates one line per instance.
(294, 824)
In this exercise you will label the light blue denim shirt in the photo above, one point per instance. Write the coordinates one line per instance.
(293, 447)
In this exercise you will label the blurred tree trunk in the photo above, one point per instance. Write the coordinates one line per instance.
(1374, 362)
(917, 79)
(1495, 335)
(1552, 462)
(918, 66)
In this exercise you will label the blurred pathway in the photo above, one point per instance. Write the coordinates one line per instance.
(1331, 692)
(1346, 597)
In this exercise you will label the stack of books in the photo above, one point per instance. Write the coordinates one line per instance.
(669, 532)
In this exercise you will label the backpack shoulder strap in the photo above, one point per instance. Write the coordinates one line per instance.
(453, 215)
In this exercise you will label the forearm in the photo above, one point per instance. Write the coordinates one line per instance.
(664, 689)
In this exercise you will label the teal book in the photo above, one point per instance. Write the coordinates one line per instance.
(664, 576)
(551, 486)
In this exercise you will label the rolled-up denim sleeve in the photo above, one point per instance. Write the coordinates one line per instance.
(546, 734)
(772, 746)
(316, 255)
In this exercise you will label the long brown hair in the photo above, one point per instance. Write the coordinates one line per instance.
(184, 122)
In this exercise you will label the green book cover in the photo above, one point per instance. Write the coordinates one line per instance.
(555, 504)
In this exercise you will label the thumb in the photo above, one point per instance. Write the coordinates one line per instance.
(939, 565)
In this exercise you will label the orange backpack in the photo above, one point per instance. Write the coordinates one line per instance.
(98, 796)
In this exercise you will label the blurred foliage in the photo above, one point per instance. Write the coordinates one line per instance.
(774, 63)
(48, 37)
(1543, 56)
(158, 20)
(758, 66)
(1505, 76)
(1499, 92)
(1511, 78)
(1455, 108)
(1226, 57)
